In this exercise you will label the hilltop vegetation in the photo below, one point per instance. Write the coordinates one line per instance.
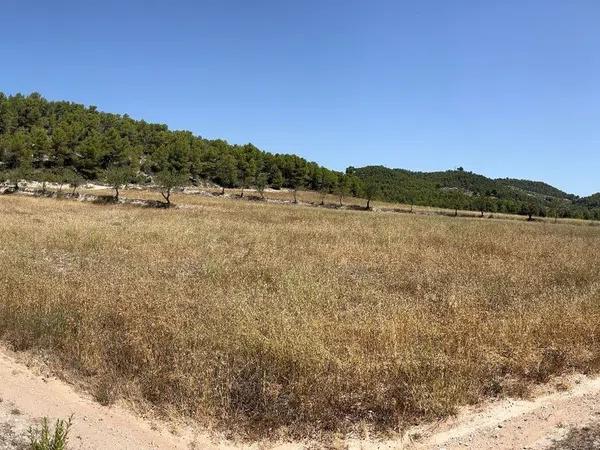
(459, 189)
(535, 187)
(42, 139)
(68, 142)
(593, 201)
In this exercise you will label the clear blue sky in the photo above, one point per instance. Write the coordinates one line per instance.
(501, 87)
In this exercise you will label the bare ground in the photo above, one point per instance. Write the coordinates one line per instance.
(552, 420)
(28, 396)
(13, 427)
(565, 419)
(585, 437)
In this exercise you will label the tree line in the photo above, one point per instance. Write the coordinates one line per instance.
(69, 143)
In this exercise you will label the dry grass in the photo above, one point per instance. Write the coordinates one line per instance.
(261, 317)
(330, 201)
(283, 196)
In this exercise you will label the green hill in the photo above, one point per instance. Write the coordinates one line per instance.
(467, 190)
(40, 138)
(58, 140)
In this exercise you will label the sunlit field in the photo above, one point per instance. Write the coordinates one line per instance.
(197, 196)
(268, 319)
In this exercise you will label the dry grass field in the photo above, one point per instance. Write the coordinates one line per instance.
(272, 319)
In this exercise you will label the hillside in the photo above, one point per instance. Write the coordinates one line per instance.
(68, 142)
(535, 187)
(467, 190)
(39, 138)
(593, 201)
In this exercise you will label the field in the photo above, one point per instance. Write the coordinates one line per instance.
(267, 319)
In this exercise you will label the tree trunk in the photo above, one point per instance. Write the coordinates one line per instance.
(167, 196)
(368, 203)
(411, 208)
(223, 190)
(242, 194)
(341, 198)
(117, 194)
(456, 213)
(295, 196)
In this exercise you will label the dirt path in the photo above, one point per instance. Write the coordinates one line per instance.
(13, 427)
(27, 397)
(553, 420)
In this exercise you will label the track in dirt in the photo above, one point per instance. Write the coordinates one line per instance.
(540, 423)
(506, 424)
(27, 397)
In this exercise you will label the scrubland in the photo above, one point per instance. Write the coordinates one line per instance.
(268, 319)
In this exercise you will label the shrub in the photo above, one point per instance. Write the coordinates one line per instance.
(44, 438)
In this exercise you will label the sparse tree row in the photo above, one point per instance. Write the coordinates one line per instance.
(67, 143)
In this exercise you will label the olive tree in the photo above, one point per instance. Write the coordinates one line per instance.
(342, 187)
(456, 200)
(370, 190)
(247, 171)
(298, 180)
(167, 180)
(261, 184)
(531, 208)
(327, 181)
(483, 204)
(118, 176)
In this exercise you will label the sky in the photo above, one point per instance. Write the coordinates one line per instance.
(506, 88)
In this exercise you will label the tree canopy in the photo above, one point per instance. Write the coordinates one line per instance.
(40, 135)
(58, 140)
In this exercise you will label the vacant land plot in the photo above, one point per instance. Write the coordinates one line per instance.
(262, 317)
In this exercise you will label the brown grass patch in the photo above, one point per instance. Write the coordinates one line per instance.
(262, 317)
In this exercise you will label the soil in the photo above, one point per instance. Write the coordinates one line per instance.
(564, 414)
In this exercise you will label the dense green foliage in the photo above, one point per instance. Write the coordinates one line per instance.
(535, 187)
(68, 142)
(593, 201)
(458, 189)
(42, 139)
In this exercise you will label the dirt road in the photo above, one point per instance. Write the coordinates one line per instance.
(554, 420)
(27, 397)
(568, 419)
(538, 424)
